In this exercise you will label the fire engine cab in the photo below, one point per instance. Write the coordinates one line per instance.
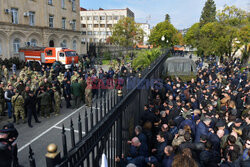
(48, 55)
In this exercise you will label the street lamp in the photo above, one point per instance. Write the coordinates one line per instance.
(163, 39)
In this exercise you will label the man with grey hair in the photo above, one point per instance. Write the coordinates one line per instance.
(140, 135)
(203, 129)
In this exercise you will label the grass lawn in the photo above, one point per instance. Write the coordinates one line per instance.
(105, 62)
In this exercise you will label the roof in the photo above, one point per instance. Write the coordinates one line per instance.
(179, 58)
(101, 9)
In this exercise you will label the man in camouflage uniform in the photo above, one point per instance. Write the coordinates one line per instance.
(57, 99)
(1, 99)
(18, 106)
(88, 92)
(5, 73)
(46, 103)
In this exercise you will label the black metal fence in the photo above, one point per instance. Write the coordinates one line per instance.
(109, 124)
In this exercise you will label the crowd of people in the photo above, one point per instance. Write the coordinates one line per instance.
(39, 94)
(204, 122)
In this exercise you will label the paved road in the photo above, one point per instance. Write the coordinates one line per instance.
(49, 131)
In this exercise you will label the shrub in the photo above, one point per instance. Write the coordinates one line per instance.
(107, 55)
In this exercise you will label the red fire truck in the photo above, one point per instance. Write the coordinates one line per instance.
(49, 55)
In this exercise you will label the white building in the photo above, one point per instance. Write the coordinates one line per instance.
(146, 28)
(96, 24)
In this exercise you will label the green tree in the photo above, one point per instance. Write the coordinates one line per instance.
(126, 33)
(208, 13)
(167, 30)
(167, 17)
(234, 19)
(192, 36)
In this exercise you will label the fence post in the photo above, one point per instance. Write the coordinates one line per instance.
(91, 117)
(53, 157)
(96, 113)
(104, 101)
(101, 106)
(31, 159)
(86, 122)
(108, 101)
(64, 142)
(79, 127)
(72, 133)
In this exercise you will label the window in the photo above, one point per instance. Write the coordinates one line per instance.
(90, 25)
(109, 17)
(16, 45)
(84, 32)
(96, 33)
(102, 25)
(49, 52)
(64, 44)
(51, 20)
(103, 33)
(14, 15)
(116, 18)
(102, 17)
(73, 5)
(96, 25)
(0, 49)
(89, 32)
(32, 18)
(63, 4)
(122, 17)
(109, 25)
(89, 17)
(109, 33)
(63, 23)
(95, 17)
(83, 25)
(74, 45)
(61, 54)
(33, 42)
(96, 40)
(50, 2)
(73, 24)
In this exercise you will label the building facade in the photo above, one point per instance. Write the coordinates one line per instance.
(146, 28)
(96, 25)
(45, 23)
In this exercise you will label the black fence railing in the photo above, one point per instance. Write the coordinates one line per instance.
(109, 123)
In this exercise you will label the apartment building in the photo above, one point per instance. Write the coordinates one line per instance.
(46, 23)
(96, 25)
(146, 28)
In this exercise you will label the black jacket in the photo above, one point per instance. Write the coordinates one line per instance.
(30, 102)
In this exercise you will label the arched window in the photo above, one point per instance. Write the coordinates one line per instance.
(74, 45)
(33, 42)
(16, 45)
(64, 44)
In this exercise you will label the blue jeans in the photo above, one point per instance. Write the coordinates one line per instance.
(9, 109)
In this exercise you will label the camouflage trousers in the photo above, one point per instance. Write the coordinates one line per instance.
(19, 111)
(45, 111)
(57, 108)
(1, 106)
(88, 100)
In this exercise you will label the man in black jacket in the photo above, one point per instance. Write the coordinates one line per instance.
(30, 103)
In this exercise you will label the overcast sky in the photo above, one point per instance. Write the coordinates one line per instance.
(183, 13)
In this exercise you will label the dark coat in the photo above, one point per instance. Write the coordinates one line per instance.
(167, 161)
(201, 128)
(160, 151)
(209, 158)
